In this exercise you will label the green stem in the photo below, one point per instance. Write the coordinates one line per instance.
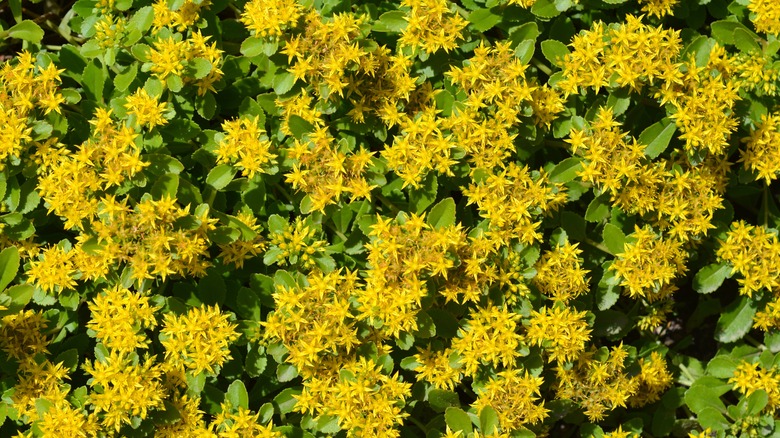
(540, 65)
(597, 245)
(766, 205)
(209, 194)
(387, 203)
(418, 424)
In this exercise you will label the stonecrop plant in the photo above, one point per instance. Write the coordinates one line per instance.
(389, 218)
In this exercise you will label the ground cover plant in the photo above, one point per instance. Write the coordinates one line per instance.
(424, 218)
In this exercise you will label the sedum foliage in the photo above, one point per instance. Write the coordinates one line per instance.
(425, 218)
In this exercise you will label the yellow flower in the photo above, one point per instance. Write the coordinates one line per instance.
(648, 263)
(435, 367)
(658, 8)
(167, 57)
(762, 151)
(653, 379)
(53, 271)
(767, 15)
(489, 337)
(271, 17)
(119, 318)
(198, 340)
(559, 273)
(431, 26)
(22, 334)
(559, 330)
(750, 377)
(124, 387)
(752, 252)
(246, 146)
(515, 397)
(620, 433)
(147, 110)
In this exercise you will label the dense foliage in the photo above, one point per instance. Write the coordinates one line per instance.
(306, 218)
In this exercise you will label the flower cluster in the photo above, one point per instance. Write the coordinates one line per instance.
(271, 18)
(324, 172)
(26, 89)
(514, 395)
(431, 26)
(750, 376)
(275, 218)
(752, 252)
(762, 154)
(401, 257)
(649, 263)
(245, 146)
(559, 273)
(512, 200)
(766, 16)
(315, 322)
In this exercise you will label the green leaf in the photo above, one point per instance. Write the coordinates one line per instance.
(442, 214)
(167, 184)
(391, 22)
(526, 32)
(248, 304)
(555, 51)
(746, 41)
(253, 46)
(286, 372)
(657, 137)
(123, 5)
(566, 170)
(722, 366)
(614, 239)
(15, 298)
(710, 417)
(255, 363)
(68, 358)
(608, 290)
(441, 399)
(206, 105)
(3, 186)
(283, 82)
(237, 395)
(122, 81)
(175, 83)
(26, 30)
(723, 31)
(276, 223)
(201, 67)
(93, 80)
(488, 420)
(756, 402)
(545, 9)
(574, 225)
(525, 50)
(736, 321)
(598, 209)
(423, 196)
(16, 11)
(458, 420)
(286, 400)
(299, 126)
(772, 342)
(9, 265)
(220, 176)
(710, 277)
(141, 21)
(704, 393)
(484, 19)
